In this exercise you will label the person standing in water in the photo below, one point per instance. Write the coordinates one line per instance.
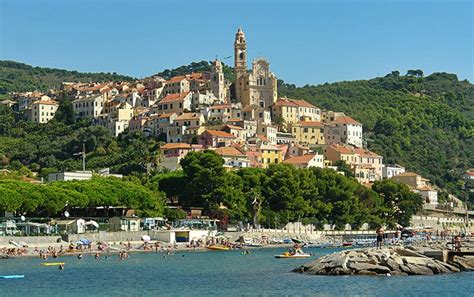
(379, 232)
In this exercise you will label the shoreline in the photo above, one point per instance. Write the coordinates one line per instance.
(115, 250)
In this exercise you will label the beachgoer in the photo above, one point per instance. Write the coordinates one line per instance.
(97, 256)
(61, 266)
(457, 243)
(379, 232)
(79, 256)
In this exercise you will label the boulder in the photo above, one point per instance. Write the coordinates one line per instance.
(387, 261)
(379, 269)
(419, 269)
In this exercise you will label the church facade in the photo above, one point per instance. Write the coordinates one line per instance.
(257, 87)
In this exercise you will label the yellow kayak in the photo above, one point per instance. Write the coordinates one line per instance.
(52, 263)
(218, 247)
(292, 256)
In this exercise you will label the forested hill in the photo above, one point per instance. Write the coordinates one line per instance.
(196, 67)
(423, 123)
(19, 77)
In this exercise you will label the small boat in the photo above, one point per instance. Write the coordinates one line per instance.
(287, 255)
(52, 263)
(218, 247)
(12, 276)
(347, 244)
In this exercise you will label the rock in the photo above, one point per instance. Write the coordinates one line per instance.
(392, 265)
(386, 261)
(363, 260)
(419, 269)
(366, 272)
(449, 267)
(379, 269)
(397, 273)
(407, 253)
(415, 260)
(462, 263)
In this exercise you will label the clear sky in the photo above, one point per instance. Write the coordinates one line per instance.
(307, 42)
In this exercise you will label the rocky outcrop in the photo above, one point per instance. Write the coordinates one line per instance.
(387, 261)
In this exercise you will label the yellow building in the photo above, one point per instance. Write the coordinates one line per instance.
(366, 165)
(309, 132)
(270, 154)
(291, 111)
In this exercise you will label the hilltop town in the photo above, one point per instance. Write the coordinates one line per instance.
(244, 121)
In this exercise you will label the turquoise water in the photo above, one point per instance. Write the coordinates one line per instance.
(210, 273)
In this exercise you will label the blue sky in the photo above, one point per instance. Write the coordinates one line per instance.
(307, 42)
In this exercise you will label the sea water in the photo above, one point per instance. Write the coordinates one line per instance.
(210, 273)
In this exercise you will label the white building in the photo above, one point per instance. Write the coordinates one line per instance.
(343, 130)
(88, 107)
(42, 111)
(389, 171)
(78, 175)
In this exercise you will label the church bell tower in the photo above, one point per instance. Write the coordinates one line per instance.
(240, 62)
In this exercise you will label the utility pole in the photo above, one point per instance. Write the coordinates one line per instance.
(83, 157)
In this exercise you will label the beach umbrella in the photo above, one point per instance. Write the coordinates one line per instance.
(85, 241)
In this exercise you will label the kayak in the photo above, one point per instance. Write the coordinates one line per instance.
(298, 256)
(52, 263)
(218, 247)
(287, 255)
(12, 276)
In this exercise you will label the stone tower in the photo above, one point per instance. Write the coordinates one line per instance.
(217, 80)
(240, 62)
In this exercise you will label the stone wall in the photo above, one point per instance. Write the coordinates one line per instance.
(107, 236)
(29, 239)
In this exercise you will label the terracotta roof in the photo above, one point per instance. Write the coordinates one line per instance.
(188, 116)
(195, 75)
(284, 148)
(346, 120)
(469, 172)
(365, 153)
(425, 188)
(300, 159)
(341, 149)
(176, 79)
(262, 137)
(269, 147)
(141, 109)
(174, 97)
(178, 145)
(407, 173)
(293, 103)
(166, 115)
(234, 127)
(234, 120)
(221, 106)
(251, 107)
(228, 151)
(46, 102)
(219, 133)
(311, 124)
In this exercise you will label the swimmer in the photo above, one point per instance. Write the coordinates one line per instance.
(79, 256)
(97, 256)
(61, 267)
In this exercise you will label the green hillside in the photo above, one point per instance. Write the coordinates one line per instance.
(196, 67)
(19, 77)
(423, 123)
